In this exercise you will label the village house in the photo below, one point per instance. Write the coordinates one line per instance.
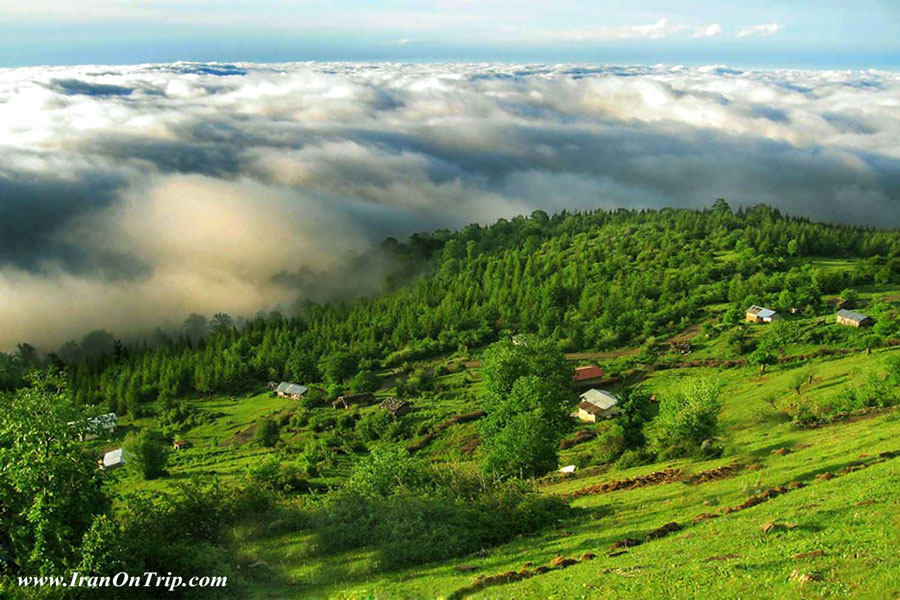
(114, 459)
(348, 400)
(758, 314)
(598, 404)
(102, 424)
(290, 390)
(395, 406)
(853, 319)
(179, 444)
(585, 376)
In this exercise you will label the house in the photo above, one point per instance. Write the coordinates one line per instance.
(272, 385)
(290, 390)
(587, 375)
(114, 459)
(94, 426)
(179, 444)
(758, 314)
(395, 406)
(853, 319)
(348, 400)
(598, 404)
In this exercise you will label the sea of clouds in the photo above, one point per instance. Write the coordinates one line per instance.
(132, 196)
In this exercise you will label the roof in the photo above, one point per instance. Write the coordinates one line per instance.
(114, 458)
(286, 387)
(393, 404)
(759, 311)
(598, 399)
(585, 373)
(107, 420)
(853, 316)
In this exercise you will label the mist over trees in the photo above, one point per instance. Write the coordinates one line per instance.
(596, 280)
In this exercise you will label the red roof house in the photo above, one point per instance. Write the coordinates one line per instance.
(587, 373)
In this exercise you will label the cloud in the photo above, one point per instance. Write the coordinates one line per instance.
(759, 30)
(652, 31)
(133, 196)
(709, 31)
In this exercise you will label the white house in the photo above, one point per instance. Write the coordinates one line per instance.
(598, 404)
(114, 459)
(94, 426)
(287, 389)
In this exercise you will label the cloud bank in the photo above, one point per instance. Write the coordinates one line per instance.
(133, 196)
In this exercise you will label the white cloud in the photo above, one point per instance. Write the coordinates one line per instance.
(133, 194)
(651, 31)
(709, 31)
(760, 30)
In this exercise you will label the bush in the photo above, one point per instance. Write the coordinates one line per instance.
(411, 513)
(634, 458)
(364, 381)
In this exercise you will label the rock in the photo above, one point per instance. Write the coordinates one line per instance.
(795, 485)
(588, 556)
(465, 568)
(805, 577)
(780, 451)
(811, 554)
(825, 476)
(528, 565)
(663, 531)
(704, 517)
(790, 525)
(767, 527)
(627, 543)
(559, 561)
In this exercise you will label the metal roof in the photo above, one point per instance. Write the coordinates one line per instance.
(600, 398)
(762, 313)
(853, 316)
(286, 387)
(114, 458)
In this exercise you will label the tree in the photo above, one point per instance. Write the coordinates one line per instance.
(529, 393)
(146, 454)
(338, 366)
(267, 432)
(364, 381)
(636, 411)
(50, 489)
(687, 419)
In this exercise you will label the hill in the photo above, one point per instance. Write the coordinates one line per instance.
(789, 491)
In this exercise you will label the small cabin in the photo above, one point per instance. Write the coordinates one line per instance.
(95, 426)
(348, 400)
(853, 319)
(598, 404)
(286, 389)
(113, 459)
(585, 376)
(395, 406)
(759, 314)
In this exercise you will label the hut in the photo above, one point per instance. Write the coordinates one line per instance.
(395, 406)
(286, 389)
(348, 400)
(759, 314)
(853, 319)
(114, 459)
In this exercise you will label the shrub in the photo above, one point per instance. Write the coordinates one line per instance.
(634, 458)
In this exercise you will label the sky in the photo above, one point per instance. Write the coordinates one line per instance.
(751, 33)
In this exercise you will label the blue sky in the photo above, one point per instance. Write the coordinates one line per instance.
(752, 33)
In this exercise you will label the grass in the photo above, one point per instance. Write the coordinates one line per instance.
(854, 519)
